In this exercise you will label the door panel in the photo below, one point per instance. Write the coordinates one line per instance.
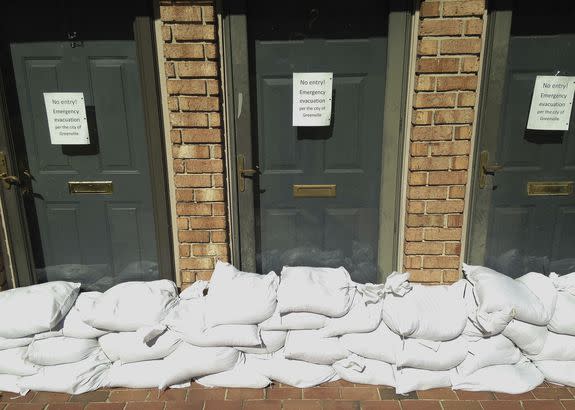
(522, 232)
(336, 231)
(77, 232)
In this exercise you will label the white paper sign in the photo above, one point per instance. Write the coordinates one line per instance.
(67, 122)
(312, 99)
(551, 103)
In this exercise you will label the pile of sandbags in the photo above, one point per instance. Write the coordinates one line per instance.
(304, 327)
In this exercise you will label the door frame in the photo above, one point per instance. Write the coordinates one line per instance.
(16, 245)
(237, 113)
(488, 120)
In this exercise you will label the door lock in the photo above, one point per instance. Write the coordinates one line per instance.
(244, 173)
(486, 168)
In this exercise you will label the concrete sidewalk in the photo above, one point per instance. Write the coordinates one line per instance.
(338, 395)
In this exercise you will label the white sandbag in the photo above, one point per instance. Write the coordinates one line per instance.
(381, 344)
(556, 347)
(12, 343)
(473, 330)
(74, 326)
(558, 372)
(35, 309)
(309, 346)
(408, 379)
(489, 351)
(128, 347)
(500, 296)
(529, 338)
(241, 376)
(14, 362)
(294, 321)
(9, 383)
(364, 316)
(544, 288)
(272, 341)
(188, 362)
(187, 320)
(240, 298)
(563, 319)
(196, 290)
(326, 291)
(416, 313)
(131, 305)
(73, 378)
(513, 379)
(137, 375)
(356, 369)
(294, 373)
(60, 350)
(428, 355)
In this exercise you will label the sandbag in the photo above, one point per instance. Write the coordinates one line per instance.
(563, 319)
(364, 316)
(416, 313)
(60, 350)
(558, 372)
(428, 355)
(131, 305)
(490, 351)
(240, 298)
(35, 309)
(294, 373)
(356, 369)
(529, 338)
(14, 362)
(294, 321)
(187, 320)
(241, 376)
(9, 383)
(513, 379)
(556, 347)
(128, 347)
(188, 362)
(544, 288)
(309, 346)
(501, 296)
(148, 374)
(381, 344)
(12, 343)
(73, 378)
(74, 326)
(326, 291)
(272, 341)
(408, 379)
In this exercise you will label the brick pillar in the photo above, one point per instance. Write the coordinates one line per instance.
(193, 85)
(444, 104)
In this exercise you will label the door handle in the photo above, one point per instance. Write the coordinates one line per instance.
(244, 172)
(486, 168)
(10, 180)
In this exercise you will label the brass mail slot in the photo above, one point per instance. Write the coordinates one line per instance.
(314, 191)
(540, 188)
(90, 187)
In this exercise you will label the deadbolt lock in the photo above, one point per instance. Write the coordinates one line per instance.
(486, 168)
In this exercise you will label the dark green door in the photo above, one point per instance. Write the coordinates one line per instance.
(515, 230)
(351, 43)
(97, 238)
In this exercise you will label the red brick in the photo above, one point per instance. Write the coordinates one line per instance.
(554, 393)
(474, 26)
(180, 13)
(454, 221)
(100, 395)
(192, 181)
(437, 394)
(170, 69)
(450, 148)
(456, 192)
(423, 248)
(421, 117)
(457, 83)
(427, 47)
(429, 9)
(425, 83)
(427, 192)
(188, 119)
(322, 393)
(429, 163)
(166, 33)
(417, 178)
(444, 207)
(542, 404)
(420, 405)
(210, 249)
(441, 261)
(214, 222)
(460, 116)
(474, 395)
(105, 406)
(218, 236)
(194, 32)
(424, 220)
(284, 393)
(302, 405)
(144, 406)
(430, 100)
(434, 133)
(416, 207)
(463, 8)
(223, 405)
(210, 51)
(470, 64)
(199, 103)
(128, 395)
(213, 87)
(442, 27)
(460, 162)
(191, 151)
(188, 87)
(197, 263)
(262, 405)
(447, 177)
(185, 249)
(412, 262)
(380, 405)
(64, 406)
(461, 46)
(466, 99)
(201, 135)
(461, 405)
(442, 234)
(208, 14)
(204, 165)
(413, 234)
(437, 65)
(186, 50)
(244, 394)
(451, 275)
(501, 405)
(186, 208)
(209, 195)
(426, 276)
(464, 132)
(197, 69)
